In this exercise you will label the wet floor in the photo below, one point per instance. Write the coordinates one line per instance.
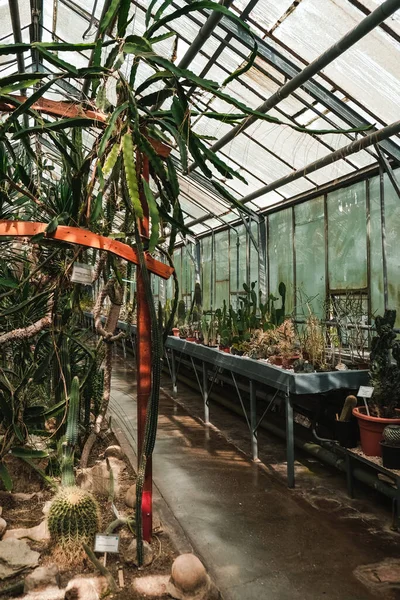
(258, 539)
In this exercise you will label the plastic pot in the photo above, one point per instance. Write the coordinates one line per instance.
(371, 430)
(390, 456)
(346, 433)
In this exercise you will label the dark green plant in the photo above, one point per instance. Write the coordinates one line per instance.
(71, 436)
(181, 312)
(384, 374)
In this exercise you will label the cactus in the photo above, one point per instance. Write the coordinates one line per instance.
(349, 404)
(181, 312)
(73, 518)
(391, 435)
(71, 438)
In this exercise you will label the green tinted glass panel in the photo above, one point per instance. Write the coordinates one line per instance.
(347, 238)
(238, 259)
(221, 268)
(392, 222)
(377, 296)
(254, 276)
(280, 249)
(206, 271)
(310, 257)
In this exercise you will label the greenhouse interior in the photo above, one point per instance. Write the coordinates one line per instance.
(199, 299)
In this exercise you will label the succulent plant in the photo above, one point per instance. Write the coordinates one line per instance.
(73, 518)
(349, 404)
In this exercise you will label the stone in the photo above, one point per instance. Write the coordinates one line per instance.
(96, 479)
(42, 577)
(16, 556)
(50, 593)
(39, 533)
(3, 526)
(86, 588)
(190, 581)
(46, 507)
(153, 586)
(114, 452)
(130, 554)
(21, 497)
(130, 496)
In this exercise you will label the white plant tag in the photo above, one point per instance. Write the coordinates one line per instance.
(365, 391)
(106, 543)
(82, 273)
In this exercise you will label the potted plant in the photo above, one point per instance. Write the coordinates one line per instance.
(382, 408)
(390, 446)
(183, 332)
(346, 430)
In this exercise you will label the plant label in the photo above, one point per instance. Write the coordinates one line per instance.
(365, 391)
(82, 273)
(106, 543)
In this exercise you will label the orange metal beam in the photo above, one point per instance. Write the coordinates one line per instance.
(58, 108)
(83, 237)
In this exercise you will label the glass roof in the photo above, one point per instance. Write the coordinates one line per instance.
(360, 86)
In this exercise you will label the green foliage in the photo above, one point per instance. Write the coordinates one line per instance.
(73, 518)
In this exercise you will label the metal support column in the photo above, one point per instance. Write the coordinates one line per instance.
(253, 420)
(289, 440)
(173, 372)
(205, 394)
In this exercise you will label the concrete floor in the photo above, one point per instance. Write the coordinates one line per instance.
(258, 539)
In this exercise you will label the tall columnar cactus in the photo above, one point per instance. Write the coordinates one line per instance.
(71, 438)
(73, 518)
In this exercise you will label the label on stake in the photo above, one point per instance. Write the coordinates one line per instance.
(365, 391)
(106, 543)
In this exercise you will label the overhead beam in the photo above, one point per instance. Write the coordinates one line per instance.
(373, 138)
(303, 78)
(83, 237)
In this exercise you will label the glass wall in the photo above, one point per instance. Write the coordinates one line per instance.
(326, 248)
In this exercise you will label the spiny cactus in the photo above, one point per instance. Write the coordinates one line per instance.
(73, 518)
(349, 404)
(71, 438)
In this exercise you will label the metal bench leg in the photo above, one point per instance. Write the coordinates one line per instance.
(205, 394)
(349, 477)
(253, 420)
(289, 441)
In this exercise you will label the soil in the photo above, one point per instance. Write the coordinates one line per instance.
(27, 512)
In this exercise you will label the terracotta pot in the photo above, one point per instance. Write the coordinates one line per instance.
(190, 339)
(225, 349)
(371, 430)
(175, 331)
(277, 360)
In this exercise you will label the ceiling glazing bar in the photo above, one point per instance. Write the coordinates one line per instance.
(383, 161)
(16, 26)
(302, 78)
(373, 138)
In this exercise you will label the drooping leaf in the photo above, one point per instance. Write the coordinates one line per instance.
(225, 194)
(244, 68)
(30, 101)
(57, 126)
(123, 15)
(56, 61)
(8, 89)
(156, 97)
(128, 152)
(9, 283)
(19, 77)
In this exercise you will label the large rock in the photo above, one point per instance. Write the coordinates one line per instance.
(16, 556)
(52, 592)
(97, 479)
(130, 496)
(130, 554)
(39, 533)
(3, 526)
(42, 577)
(189, 580)
(86, 588)
(114, 452)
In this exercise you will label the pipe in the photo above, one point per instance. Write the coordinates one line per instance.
(357, 33)
(356, 146)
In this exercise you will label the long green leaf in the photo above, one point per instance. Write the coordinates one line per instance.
(109, 16)
(5, 477)
(8, 89)
(56, 61)
(110, 128)
(22, 452)
(154, 216)
(66, 47)
(18, 77)
(123, 15)
(9, 283)
(225, 194)
(17, 307)
(24, 106)
(148, 11)
(245, 67)
(152, 79)
(57, 126)
(156, 97)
